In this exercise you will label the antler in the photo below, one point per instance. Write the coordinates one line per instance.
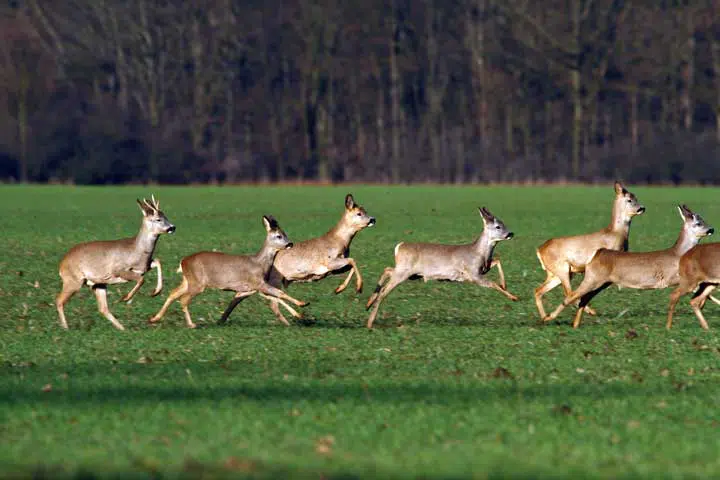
(152, 204)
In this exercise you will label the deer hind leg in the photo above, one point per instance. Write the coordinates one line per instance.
(101, 296)
(567, 288)
(396, 278)
(239, 297)
(551, 282)
(584, 300)
(588, 285)
(698, 302)
(181, 290)
(70, 287)
(185, 300)
(387, 273)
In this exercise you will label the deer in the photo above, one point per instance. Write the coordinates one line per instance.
(316, 258)
(637, 270)
(699, 267)
(243, 274)
(102, 263)
(562, 257)
(455, 263)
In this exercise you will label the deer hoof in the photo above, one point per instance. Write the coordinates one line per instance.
(155, 293)
(590, 311)
(514, 298)
(192, 325)
(303, 304)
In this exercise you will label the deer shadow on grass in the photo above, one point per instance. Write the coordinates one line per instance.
(91, 385)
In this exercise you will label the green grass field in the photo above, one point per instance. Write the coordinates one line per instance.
(454, 382)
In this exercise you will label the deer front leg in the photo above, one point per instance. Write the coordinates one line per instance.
(275, 307)
(337, 264)
(271, 291)
(131, 276)
(101, 296)
(387, 273)
(396, 278)
(496, 263)
(156, 264)
(484, 282)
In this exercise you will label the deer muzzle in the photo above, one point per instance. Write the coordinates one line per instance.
(371, 222)
(509, 235)
(171, 229)
(289, 245)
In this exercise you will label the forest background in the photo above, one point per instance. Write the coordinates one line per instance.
(401, 91)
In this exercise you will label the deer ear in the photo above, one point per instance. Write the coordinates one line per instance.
(619, 189)
(349, 201)
(685, 212)
(143, 207)
(485, 214)
(270, 222)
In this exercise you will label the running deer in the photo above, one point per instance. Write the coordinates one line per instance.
(243, 274)
(699, 267)
(102, 263)
(316, 258)
(562, 257)
(639, 270)
(455, 263)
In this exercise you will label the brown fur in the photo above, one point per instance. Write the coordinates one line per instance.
(639, 270)
(457, 263)
(563, 257)
(243, 274)
(102, 263)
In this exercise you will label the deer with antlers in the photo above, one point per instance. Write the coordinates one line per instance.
(102, 263)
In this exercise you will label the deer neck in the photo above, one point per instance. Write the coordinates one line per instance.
(684, 243)
(620, 221)
(145, 242)
(266, 256)
(484, 248)
(343, 232)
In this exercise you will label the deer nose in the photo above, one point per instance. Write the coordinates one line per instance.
(510, 235)
(371, 222)
(171, 229)
(711, 231)
(641, 210)
(289, 245)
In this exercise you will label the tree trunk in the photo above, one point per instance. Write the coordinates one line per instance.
(394, 97)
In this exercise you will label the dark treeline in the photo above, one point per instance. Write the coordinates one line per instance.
(112, 91)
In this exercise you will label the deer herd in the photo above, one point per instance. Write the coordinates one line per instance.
(602, 257)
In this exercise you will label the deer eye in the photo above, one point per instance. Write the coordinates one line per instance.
(497, 227)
